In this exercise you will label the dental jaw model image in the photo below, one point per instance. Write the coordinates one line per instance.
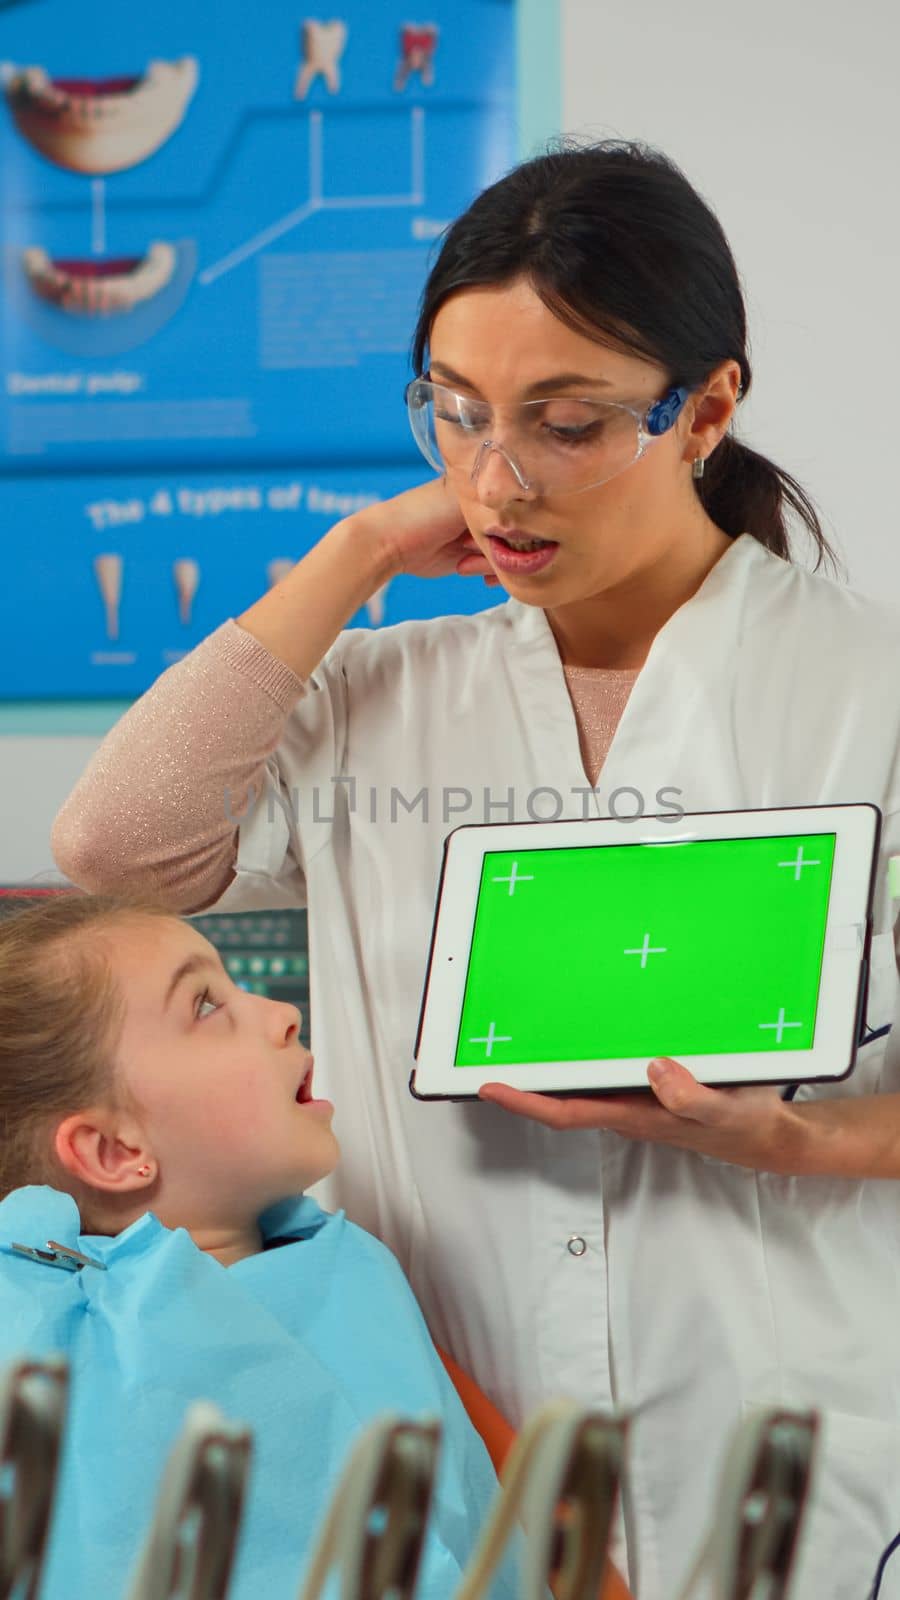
(93, 288)
(186, 573)
(108, 572)
(418, 43)
(103, 125)
(321, 46)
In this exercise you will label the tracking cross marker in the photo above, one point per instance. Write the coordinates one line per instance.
(515, 877)
(647, 949)
(780, 1025)
(491, 1038)
(798, 864)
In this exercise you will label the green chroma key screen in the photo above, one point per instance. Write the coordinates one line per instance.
(597, 952)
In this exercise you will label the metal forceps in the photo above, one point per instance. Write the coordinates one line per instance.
(189, 1552)
(375, 1528)
(562, 1479)
(749, 1551)
(33, 1401)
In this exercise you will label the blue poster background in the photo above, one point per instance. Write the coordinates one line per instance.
(155, 461)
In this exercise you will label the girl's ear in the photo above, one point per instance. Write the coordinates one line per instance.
(105, 1151)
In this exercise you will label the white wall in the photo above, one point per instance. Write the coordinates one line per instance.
(36, 774)
(784, 114)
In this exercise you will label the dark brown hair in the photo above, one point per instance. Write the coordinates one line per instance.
(620, 247)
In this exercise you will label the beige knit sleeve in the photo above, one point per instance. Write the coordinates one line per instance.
(153, 810)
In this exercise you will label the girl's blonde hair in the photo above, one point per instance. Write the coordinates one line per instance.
(61, 1015)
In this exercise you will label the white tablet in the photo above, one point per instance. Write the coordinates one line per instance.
(566, 955)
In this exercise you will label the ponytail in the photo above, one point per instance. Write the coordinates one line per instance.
(743, 492)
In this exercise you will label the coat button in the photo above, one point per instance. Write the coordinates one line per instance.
(576, 1245)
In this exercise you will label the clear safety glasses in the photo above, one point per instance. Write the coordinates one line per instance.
(556, 446)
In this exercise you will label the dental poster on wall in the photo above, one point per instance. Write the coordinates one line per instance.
(217, 220)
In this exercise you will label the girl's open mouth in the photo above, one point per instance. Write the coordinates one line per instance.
(304, 1095)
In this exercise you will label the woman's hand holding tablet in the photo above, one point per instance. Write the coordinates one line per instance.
(566, 956)
(748, 1127)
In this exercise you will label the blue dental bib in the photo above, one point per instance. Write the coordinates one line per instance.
(305, 1343)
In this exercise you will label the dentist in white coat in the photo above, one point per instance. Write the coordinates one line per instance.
(686, 1256)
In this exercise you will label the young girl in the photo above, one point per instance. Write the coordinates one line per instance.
(164, 1123)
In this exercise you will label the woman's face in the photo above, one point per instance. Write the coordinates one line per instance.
(503, 346)
(222, 1083)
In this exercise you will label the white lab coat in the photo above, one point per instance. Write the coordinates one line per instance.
(704, 1289)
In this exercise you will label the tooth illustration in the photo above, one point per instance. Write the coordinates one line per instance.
(186, 573)
(99, 125)
(92, 288)
(108, 572)
(278, 569)
(321, 47)
(418, 43)
(375, 605)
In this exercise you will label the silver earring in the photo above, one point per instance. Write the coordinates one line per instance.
(698, 468)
